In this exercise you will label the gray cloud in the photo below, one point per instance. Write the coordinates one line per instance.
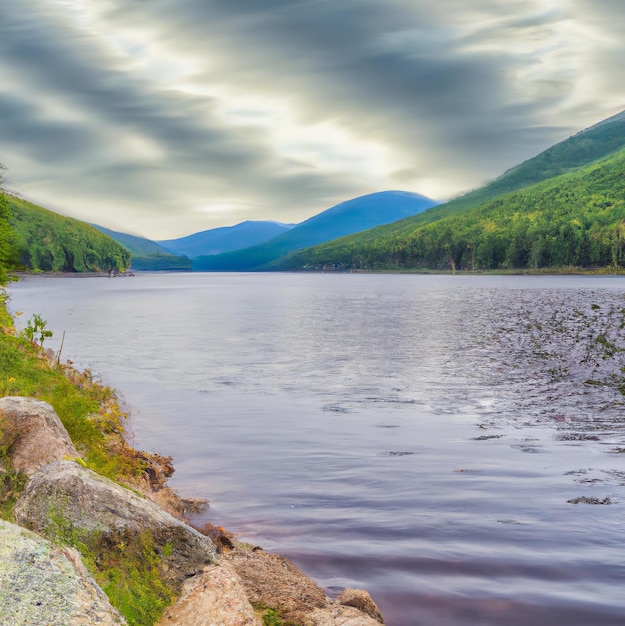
(171, 116)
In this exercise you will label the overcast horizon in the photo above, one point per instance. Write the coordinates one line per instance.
(164, 118)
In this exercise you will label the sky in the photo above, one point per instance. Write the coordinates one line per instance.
(168, 117)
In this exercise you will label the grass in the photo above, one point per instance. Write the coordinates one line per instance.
(127, 568)
(90, 411)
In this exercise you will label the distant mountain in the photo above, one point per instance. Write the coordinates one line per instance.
(226, 239)
(147, 255)
(574, 216)
(345, 218)
(50, 242)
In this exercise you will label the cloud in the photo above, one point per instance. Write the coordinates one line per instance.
(170, 116)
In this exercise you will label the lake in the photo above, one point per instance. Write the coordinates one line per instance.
(453, 444)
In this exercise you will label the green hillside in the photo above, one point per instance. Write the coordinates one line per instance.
(147, 255)
(574, 219)
(49, 242)
(6, 237)
(580, 150)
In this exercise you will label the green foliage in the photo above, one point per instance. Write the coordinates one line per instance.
(128, 570)
(126, 566)
(50, 242)
(36, 331)
(12, 483)
(89, 411)
(577, 219)
(7, 237)
(271, 618)
(161, 262)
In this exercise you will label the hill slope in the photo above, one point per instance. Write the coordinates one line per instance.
(51, 242)
(225, 239)
(589, 145)
(580, 150)
(147, 255)
(347, 217)
(573, 219)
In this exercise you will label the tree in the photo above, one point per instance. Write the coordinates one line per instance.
(6, 232)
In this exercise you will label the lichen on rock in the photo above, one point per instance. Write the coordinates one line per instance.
(68, 498)
(41, 583)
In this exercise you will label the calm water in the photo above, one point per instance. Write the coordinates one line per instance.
(417, 436)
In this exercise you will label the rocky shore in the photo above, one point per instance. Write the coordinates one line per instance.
(77, 534)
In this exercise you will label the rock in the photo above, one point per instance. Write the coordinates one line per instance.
(360, 599)
(339, 615)
(213, 598)
(35, 434)
(167, 499)
(66, 496)
(275, 582)
(44, 584)
(218, 536)
(194, 505)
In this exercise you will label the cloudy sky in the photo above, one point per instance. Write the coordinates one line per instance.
(167, 117)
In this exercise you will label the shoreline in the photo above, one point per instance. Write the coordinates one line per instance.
(547, 271)
(263, 582)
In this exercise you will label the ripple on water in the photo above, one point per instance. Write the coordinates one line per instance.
(421, 437)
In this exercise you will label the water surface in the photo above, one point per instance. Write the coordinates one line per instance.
(417, 436)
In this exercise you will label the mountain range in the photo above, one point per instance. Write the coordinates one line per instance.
(566, 206)
(226, 238)
(348, 217)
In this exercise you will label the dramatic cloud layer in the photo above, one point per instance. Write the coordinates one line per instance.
(165, 117)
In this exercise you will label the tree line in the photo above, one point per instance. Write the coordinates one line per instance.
(576, 219)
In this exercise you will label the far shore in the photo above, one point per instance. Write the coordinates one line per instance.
(547, 271)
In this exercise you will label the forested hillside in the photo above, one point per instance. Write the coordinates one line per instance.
(50, 242)
(6, 237)
(592, 144)
(574, 219)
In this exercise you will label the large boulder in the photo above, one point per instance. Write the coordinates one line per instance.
(361, 600)
(43, 584)
(66, 498)
(247, 577)
(273, 581)
(33, 433)
(339, 615)
(214, 598)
